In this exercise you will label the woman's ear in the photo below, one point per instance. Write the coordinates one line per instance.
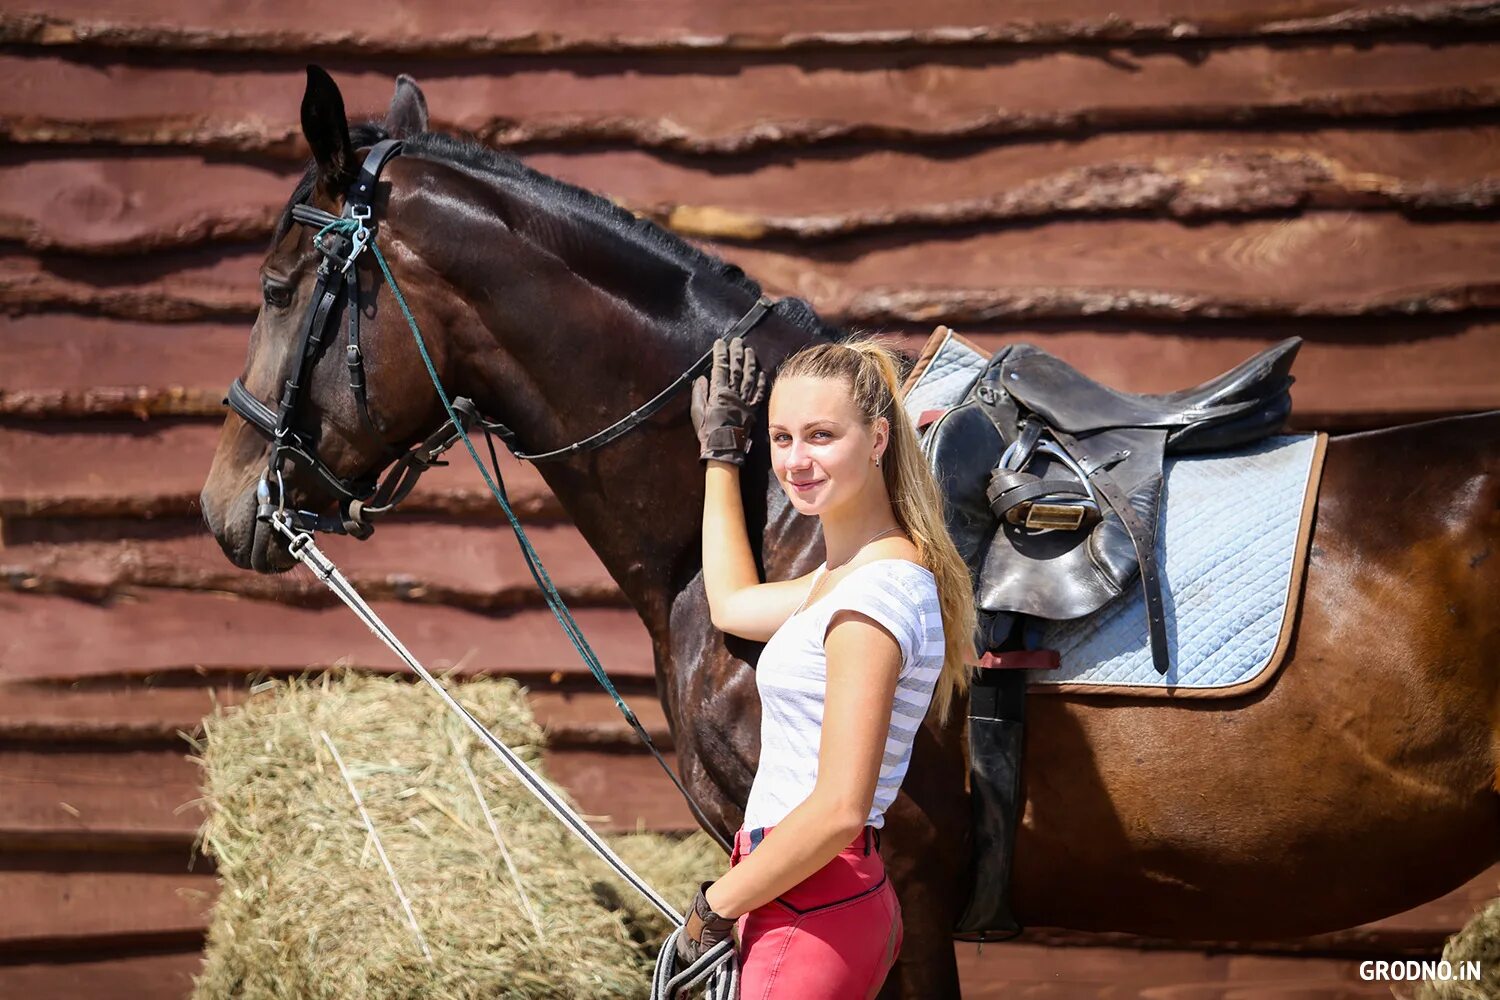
(882, 436)
(327, 132)
(408, 113)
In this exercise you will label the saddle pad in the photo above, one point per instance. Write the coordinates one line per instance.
(1232, 545)
(946, 368)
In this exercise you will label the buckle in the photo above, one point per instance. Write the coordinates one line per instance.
(1054, 516)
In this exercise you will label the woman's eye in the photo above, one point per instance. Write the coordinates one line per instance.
(277, 295)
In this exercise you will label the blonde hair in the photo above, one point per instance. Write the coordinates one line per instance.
(871, 371)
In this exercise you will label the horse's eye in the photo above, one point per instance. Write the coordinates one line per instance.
(277, 295)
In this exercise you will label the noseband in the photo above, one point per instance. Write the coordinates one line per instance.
(341, 239)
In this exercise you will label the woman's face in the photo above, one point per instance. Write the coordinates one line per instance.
(821, 449)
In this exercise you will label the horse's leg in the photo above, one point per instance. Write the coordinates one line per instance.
(926, 844)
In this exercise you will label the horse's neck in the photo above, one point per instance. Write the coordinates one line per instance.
(586, 357)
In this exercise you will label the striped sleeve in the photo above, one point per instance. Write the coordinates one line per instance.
(885, 600)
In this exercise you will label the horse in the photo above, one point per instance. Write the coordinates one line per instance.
(1360, 783)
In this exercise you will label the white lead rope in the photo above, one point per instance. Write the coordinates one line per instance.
(719, 966)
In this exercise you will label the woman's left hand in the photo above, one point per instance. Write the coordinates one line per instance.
(704, 929)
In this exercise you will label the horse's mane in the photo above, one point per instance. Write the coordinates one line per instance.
(641, 233)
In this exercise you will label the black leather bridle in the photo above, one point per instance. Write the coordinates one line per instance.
(341, 240)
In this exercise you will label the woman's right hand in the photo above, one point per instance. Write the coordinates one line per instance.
(724, 403)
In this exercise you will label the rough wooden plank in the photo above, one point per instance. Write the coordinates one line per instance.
(171, 634)
(49, 912)
(147, 800)
(1395, 372)
(477, 29)
(1002, 971)
(127, 204)
(1387, 265)
(157, 468)
(138, 800)
(1404, 365)
(167, 976)
(473, 565)
(46, 716)
(137, 716)
(88, 366)
(692, 103)
(621, 791)
(118, 204)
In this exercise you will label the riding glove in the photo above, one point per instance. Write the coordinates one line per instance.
(724, 403)
(704, 929)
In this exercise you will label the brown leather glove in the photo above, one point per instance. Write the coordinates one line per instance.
(724, 403)
(703, 930)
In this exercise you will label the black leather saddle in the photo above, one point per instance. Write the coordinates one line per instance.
(1053, 481)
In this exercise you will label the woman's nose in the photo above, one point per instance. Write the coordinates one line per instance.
(797, 456)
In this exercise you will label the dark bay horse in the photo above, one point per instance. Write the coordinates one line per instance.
(1358, 784)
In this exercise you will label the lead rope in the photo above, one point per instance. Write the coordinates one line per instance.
(717, 968)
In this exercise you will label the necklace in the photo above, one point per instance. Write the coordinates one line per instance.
(828, 569)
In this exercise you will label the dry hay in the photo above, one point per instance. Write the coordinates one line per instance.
(307, 910)
(1479, 941)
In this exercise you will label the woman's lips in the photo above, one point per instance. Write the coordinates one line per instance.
(804, 487)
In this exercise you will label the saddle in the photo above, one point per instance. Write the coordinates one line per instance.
(1053, 481)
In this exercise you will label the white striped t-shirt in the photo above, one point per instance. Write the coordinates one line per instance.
(792, 675)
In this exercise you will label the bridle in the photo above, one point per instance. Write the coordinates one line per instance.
(341, 240)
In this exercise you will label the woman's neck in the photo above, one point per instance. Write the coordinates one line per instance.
(844, 535)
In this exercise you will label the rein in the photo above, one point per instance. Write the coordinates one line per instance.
(719, 966)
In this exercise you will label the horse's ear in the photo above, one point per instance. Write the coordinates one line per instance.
(408, 114)
(327, 131)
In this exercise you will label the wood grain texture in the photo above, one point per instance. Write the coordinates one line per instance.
(48, 912)
(173, 634)
(108, 203)
(708, 104)
(471, 28)
(146, 800)
(156, 469)
(63, 367)
(476, 566)
(1318, 263)
(150, 976)
(141, 716)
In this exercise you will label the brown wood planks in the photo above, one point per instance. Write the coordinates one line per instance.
(47, 716)
(165, 976)
(467, 564)
(476, 28)
(1406, 365)
(157, 468)
(58, 911)
(1323, 263)
(167, 633)
(108, 203)
(241, 103)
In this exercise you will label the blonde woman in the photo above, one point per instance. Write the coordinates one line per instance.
(856, 652)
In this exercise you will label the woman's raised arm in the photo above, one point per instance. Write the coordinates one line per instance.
(723, 406)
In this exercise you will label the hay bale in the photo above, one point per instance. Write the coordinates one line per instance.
(308, 911)
(1478, 941)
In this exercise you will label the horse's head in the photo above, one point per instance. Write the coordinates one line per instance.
(338, 431)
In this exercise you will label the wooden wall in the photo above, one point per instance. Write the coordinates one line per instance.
(1153, 189)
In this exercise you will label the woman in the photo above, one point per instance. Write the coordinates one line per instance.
(855, 653)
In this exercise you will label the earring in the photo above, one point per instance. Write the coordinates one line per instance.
(877, 461)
